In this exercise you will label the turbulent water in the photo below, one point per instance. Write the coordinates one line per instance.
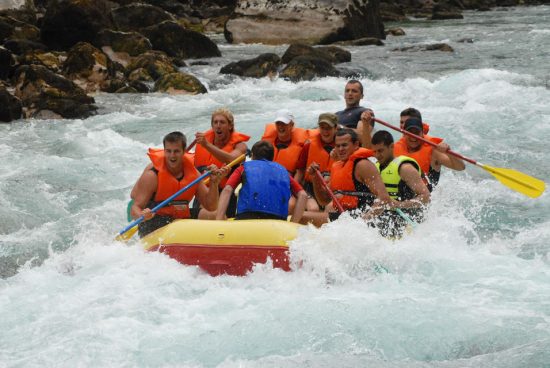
(470, 287)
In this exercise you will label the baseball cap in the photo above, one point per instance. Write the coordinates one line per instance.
(329, 118)
(284, 116)
(413, 123)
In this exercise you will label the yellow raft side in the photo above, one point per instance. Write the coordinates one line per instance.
(258, 233)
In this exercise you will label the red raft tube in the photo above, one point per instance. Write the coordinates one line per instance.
(225, 247)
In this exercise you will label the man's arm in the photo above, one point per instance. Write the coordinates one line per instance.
(208, 196)
(367, 173)
(144, 189)
(135, 189)
(365, 127)
(218, 153)
(323, 198)
(410, 175)
(225, 196)
(299, 208)
(441, 157)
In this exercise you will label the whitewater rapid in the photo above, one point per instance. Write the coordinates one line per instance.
(470, 287)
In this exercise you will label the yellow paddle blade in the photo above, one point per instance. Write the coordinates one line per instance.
(127, 235)
(518, 181)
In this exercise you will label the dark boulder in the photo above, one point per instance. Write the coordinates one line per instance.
(51, 60)
(20, 46)
(44, 93)
(132, 43)
(261, 66)
(140, 74)
(10, 106)
(68, 22)
(12, 28)
(134, 17)
(430, 47)
(179, 83)
(332, 54)
(177, 41)
(395, 32)
(306, 21)
(88, 67)
(7, 62)
(308, 68)
(447, 9)
(391, 12)
(156, 63)
(365, 41)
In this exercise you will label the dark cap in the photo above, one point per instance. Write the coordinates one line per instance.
(329, 118)
(413, 123)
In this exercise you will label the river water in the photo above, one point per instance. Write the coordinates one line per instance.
(470, 287)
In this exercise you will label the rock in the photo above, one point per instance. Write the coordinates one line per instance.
(139, 86)
(10, 106)
(216, 24)
(308, 68)
(7, 62)
(431, 47)
(447, 9)
(132, 43)
(177, 41)
(395, 32)
(12, 28)
(305, 21)
(140, 74)
(42, 92)
(51, 60)
(365, 41)
(134, 17)
(466, 40)
(259, 67)
(390, 12)
(88, 67)
(126, 89)
(68, 22)
(179, 83)
(332, 54)
(20, 46)
(156, 63)
(113, 85)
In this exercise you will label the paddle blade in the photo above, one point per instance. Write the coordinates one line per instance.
(124, 237)
(518, 181)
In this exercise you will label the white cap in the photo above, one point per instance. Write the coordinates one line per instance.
(284, 116)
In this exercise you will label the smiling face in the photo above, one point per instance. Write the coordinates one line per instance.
(344, 146)
(327, 132)
(353, 94)
(413, 144)
(284, 131)
(222, 128)
(173, 156)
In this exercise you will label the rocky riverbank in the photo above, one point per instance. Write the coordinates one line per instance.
(55, 55)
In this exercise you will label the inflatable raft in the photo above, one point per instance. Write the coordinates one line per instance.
(225, 247)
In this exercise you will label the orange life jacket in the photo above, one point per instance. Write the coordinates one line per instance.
(342, 178)
(423, 156)
(167, 185)
(318, 153)
(204, 158)
(287, 157)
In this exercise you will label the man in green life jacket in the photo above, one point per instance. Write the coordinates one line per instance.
(404, 182)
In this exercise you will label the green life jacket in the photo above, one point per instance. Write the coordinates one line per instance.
(397, 188)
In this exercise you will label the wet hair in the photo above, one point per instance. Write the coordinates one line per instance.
(226, 113)
(382, 136)
(355, 81)
(175, 137)
(346, 131)
(411, 112)
(263, 150)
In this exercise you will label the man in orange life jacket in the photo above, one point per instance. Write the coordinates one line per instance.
(402, 178)
(354, 180)
(430, 158)
(219, 146)
(350, 116)
(287, 139)
(318, 149)
(171, 171)
(266, 189)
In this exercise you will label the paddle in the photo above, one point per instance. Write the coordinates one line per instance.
(330, 193)
(515, 180)
(126, 233)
